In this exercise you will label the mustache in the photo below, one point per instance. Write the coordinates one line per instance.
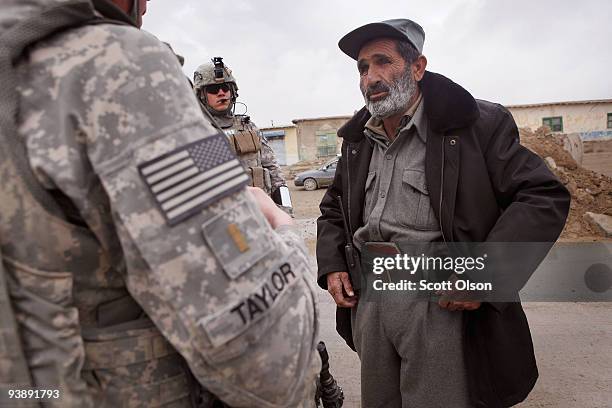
(376, 88)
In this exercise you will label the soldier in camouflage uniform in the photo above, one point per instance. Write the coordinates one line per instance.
(134, 259)
(218, 94)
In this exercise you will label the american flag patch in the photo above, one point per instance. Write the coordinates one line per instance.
(189, 178)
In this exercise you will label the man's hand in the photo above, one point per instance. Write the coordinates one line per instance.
(455, 300)
(275, 216)
(453, 305)
(339, 286)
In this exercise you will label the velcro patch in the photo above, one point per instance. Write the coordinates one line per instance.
(234, 320)
(237, 238)
(190, 178)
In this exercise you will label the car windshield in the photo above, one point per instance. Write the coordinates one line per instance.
(330, 164)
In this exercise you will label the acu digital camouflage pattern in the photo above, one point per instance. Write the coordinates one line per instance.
(95, 102)
(263, 158)
(14, 371)
(205, 75)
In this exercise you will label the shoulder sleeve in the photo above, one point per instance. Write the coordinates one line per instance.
(223, 287)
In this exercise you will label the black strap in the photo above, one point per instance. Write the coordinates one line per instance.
(112, 12)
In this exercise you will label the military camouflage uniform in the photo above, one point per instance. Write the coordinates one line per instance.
(117, 302)
(245, 138)
(254, 152)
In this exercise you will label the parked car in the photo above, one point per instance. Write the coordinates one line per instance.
(321, 177)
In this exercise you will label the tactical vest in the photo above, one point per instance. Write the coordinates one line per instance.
(73, 327)
(245, 141)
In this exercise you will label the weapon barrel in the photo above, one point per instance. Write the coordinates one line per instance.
(330, 392)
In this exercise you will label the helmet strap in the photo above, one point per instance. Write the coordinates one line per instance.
(135, 12)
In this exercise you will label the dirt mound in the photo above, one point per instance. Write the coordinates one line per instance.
(590, 191)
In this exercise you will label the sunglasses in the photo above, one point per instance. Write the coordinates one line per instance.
(214, 89)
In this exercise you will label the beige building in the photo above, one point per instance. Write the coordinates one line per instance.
(316, 137)
(592, 120)
(283, 140)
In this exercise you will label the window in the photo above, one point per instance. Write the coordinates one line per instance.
(555, 123)
(326, 143)
(271, 134)
(609, 120)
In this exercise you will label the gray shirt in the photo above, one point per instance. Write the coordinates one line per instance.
(397, 207)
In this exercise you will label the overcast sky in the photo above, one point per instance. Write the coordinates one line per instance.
(285, 57)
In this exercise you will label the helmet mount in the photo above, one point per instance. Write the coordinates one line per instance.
(135, 11)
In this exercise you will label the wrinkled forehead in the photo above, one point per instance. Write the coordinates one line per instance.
(379, 46)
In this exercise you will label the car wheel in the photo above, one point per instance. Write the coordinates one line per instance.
(310, 184)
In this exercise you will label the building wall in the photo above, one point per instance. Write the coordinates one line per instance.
(291, 145)
(589, 120)
(307, 134)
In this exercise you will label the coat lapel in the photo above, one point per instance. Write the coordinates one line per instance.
(449, 183)
(442, 181)
(358, 162)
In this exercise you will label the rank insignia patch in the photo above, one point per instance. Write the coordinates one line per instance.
(191, 177)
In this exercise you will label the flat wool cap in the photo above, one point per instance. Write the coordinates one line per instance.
(400, 28)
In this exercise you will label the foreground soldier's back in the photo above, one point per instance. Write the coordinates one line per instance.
(128, 235)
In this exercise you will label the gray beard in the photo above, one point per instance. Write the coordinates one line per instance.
(400, 93)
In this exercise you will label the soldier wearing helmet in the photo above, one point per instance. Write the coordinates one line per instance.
(135, 265)
(217, 90)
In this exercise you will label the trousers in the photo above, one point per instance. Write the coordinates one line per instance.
(411, 354)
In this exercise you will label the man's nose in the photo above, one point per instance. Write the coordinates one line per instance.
(372, 78)
(370, 81)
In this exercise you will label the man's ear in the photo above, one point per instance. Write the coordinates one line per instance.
(418, 67)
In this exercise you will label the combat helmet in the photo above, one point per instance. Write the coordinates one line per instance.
(212, 73)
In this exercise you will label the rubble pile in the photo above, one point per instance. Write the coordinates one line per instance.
(591, 192)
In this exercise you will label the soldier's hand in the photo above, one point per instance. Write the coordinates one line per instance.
(275, 216)
(339, 286)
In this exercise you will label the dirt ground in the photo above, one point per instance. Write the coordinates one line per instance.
(598, 156)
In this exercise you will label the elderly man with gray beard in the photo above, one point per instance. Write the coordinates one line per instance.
(424, 162)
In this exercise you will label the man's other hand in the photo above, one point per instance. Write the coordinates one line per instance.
(454, 305)
(457, 300)
(339, 286)
(275, 216)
